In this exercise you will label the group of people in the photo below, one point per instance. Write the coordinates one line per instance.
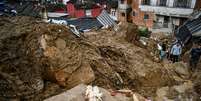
(174, 53)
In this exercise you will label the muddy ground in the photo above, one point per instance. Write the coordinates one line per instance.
(39, 60)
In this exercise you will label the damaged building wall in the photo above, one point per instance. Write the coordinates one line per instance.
(141, 18)
(198, 4)
(124, 10)
(163, 15)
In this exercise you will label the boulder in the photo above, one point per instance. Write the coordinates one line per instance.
(162, 93)
(82, 75)
(184, 87)
(78, 94)
(181, 69)
(75, 94)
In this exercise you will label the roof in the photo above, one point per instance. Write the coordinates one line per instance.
(194, 23)
(55, 15)
(191, 28)
(105, 19)
(85, 23)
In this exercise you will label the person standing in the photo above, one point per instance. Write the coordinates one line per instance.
(195, 57)
(163, 51)
(176, 52)
(170, 55)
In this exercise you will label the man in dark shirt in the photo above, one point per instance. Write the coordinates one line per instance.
(195, 57)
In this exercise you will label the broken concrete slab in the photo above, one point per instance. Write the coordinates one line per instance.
(75, 94)
(78, 94)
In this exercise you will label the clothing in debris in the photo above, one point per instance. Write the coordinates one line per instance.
(176, 52)
(195, 57)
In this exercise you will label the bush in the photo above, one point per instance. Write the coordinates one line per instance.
(143, 31)
(60, 5)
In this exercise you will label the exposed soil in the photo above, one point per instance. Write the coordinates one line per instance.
(38, 60)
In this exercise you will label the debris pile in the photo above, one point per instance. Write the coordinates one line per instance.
(39, 59)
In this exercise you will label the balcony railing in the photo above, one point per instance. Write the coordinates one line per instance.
(162, 3)
(146, 2)
(182, 3)
(176, 3)
(168, 11)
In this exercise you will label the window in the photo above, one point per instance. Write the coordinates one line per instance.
(145, 2)
(113, 13)
(182, 3)
(161, 2)
(123, 14)
(88, 13)
(146, 16)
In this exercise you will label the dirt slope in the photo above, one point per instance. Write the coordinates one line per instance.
(39, 60)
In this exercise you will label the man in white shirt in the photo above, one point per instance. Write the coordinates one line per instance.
(176, 52)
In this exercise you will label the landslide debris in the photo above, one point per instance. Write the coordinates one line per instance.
(39, 60)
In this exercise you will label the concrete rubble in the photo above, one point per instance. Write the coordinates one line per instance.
(78, 93)
(47, 61)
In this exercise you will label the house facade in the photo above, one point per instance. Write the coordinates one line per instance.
(169, 14)
(157, 15)
(124, 10)
(198, 4)
(78, 12)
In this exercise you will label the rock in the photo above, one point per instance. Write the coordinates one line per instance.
(83, 75)
(78, 94)
(60, 43)
(138, 97)
(184, 87)
(162, 93)
(75, 94)
(181, 68)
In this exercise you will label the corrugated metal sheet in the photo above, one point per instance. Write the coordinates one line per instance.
(191, 28)
(85, 23)
(194, 25)
(105, 19)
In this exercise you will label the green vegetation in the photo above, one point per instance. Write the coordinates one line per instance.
(143, 31)
(60, 5)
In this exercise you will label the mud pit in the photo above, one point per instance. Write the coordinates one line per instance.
(39, 60)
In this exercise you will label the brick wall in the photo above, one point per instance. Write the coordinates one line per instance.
(138, 16)
(70, 9)
(120, 17)
(96, 12)
(198, 4)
